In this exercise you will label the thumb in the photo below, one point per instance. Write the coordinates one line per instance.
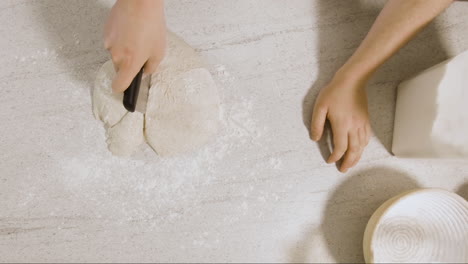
(319, 117)
(124, 77)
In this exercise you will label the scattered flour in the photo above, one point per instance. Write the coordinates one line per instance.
(148, 187)
(41, 54)
(159, 190)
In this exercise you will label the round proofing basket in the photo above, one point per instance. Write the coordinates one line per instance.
(424, 225)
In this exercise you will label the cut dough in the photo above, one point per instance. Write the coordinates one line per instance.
(107, 106)
(126, 136)
(183, 105)
(182, 111)
(124, 129)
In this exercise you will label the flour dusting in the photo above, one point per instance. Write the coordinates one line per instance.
(165, 189)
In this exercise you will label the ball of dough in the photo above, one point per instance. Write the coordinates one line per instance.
(182, 112)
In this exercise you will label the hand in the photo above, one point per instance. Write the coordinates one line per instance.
(344, 103)
(135, 35)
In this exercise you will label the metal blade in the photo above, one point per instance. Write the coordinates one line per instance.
(143, 94)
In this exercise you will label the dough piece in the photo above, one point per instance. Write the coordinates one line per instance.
(124, 129)
(182, 111)
(183, 105)
(127, 135)
(107, 106)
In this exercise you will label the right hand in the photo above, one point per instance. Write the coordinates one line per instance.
(135, 35)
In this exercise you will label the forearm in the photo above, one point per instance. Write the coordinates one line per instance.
(398, 22)
(156, 6)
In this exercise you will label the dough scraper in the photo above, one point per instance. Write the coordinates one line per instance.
(134, 97)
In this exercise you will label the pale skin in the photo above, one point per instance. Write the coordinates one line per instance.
(344, 100)
(135, 35)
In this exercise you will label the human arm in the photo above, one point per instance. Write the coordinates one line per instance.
(344, 101)
(135, 35)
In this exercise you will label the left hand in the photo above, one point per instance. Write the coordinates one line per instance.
(344, 103)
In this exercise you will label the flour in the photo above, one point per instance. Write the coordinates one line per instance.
(41, 54)
(157, 191)
(165, 189)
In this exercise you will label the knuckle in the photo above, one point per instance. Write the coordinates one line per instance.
(354, 149)
(315, 128)
(129, 60)
(150, 68)
(347, 123)
(320, 108)
(128, 53)
(153, 63)
(127, 56)
(157, 58)
(340, 150)
(115, 56)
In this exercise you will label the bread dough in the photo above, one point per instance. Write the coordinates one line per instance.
(124, 129)
(182, 111)
(126, 136)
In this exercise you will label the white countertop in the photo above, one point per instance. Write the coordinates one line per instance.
(260, 192)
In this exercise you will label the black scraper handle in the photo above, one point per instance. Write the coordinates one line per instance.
(131, 94)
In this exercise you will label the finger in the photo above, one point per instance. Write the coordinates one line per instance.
(362, 144)
(109, 35)
(107, 45)
(151, 66)
(116, 59)
(107, 38)
(340, 141)
(353, 152)
(358, 158)
(368, 131)
(362, 136)
(125, 74)
(319, 117)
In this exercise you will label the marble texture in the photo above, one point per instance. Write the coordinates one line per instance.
(260, 192)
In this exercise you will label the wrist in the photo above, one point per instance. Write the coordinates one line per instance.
(143, 5)
(355, 72)
(351, 78)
